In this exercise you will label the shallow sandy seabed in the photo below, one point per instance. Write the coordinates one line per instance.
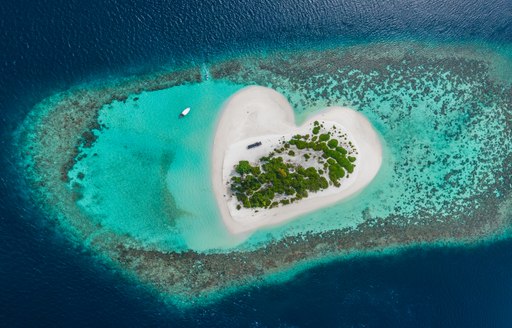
(456, 93)
(258, 112)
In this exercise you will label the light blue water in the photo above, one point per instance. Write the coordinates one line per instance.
(149, 176)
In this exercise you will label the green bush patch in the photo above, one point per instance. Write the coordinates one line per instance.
(273, 182)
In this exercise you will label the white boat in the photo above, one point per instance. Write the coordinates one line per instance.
(185, 112)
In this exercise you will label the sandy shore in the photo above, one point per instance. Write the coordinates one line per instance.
(262, 114)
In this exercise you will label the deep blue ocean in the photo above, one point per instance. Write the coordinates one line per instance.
(49, 45)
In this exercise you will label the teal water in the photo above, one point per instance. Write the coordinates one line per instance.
(148, 174)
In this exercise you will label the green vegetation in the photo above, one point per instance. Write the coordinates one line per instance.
(243, 167)
(316, 128)
(333, 143)
(324, 137)
(275, 180)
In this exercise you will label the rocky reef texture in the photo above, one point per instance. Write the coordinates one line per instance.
(460, 94)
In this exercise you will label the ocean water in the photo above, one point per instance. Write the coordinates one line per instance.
(46, 280)
(148, 173)
(131, 187)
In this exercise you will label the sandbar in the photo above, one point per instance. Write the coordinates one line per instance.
(262, 114)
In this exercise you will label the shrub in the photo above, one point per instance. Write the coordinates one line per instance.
(243, 167)
(317, 146)
(341, 150)
(323, 183)
(333, 143)
(316, 130)
(255, 170)
(336, 172)
(300, 144)
(246, 203)
(311, 172)
(324, 137)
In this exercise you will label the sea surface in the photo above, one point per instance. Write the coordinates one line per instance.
(49, 280)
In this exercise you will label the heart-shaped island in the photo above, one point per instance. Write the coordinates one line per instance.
(266, 170)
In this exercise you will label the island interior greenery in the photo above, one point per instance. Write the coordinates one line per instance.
(307, 163)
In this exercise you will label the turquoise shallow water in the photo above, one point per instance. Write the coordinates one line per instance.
(148, 174)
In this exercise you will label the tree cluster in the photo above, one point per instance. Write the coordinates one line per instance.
(273, 181)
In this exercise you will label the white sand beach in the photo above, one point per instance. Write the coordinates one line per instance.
(262, 114)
